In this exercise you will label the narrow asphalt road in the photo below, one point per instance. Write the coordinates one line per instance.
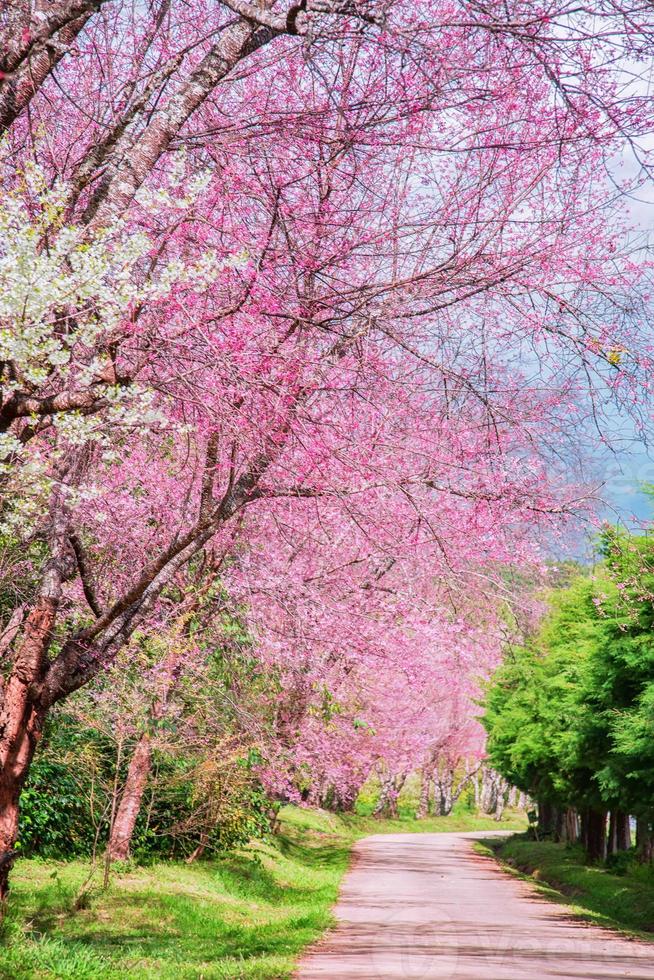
(426, 907)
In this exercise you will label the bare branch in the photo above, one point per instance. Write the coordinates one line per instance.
(85, 576)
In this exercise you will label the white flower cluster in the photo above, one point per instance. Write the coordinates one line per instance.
(62, 290)
(65, 295)
(180, 190)
(59, 291)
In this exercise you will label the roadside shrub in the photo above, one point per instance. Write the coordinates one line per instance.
(621, 862)
(211, 803)
(64, 803)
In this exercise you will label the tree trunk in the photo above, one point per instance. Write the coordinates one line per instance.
(32, 60)
(612, 838)
(558, 833)
(500, 800)
(346, 797)
(443, 791)
(571, 826)
(583, 836)
(199, 850)
(619, 838)
(546, 818)
(596, 835)
(36, 684)
(388, 798)
(425, 788)
(491, 786)
(623, 831)
(383, 803)
(124, 176)
(129, 807)
(398, 784)
(13, 774)
(21, 720)
(644, 841)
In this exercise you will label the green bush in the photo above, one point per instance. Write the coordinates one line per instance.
(189, 807)
(621, 862)
(54, 815)
(65, 799)
(214, 803)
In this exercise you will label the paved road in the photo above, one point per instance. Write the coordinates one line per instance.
(426, 907)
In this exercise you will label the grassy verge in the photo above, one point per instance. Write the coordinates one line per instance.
(247, 914)
(353, 826)
(622, 902)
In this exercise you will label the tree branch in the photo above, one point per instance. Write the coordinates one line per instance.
(11, 629)
(21, 406)
(85, 576)
(25, 68)
(128, 170)
(208, 476)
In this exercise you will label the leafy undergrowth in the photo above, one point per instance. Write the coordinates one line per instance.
(624, 902)
(245, 914)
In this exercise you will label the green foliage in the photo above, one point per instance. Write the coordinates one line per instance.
(621, 862)
(203, 790)
(570, 715)
(536, 714)
(65, 798)
(216, 805)
(54, 818)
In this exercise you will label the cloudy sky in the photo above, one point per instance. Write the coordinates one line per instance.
(632, 465)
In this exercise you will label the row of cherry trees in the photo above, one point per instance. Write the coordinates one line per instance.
(317, 300)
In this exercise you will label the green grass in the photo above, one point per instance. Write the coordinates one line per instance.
(361, 825)
(594, 893)
(248, 914)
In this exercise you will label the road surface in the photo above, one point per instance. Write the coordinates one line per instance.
(426, 907)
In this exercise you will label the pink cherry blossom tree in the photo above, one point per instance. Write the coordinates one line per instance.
(329, 289)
